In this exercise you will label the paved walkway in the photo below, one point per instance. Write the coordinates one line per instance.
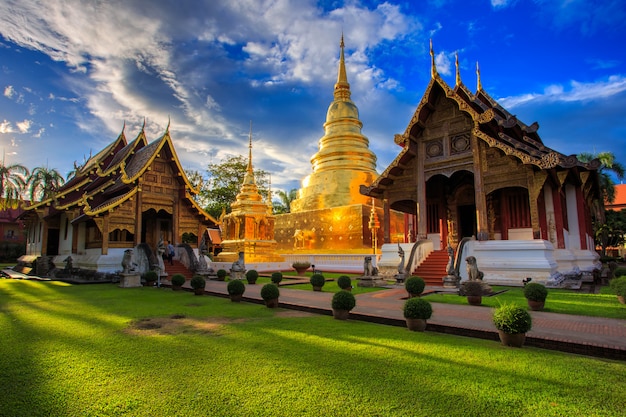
(593, 336)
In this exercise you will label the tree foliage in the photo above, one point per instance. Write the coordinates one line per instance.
(223, 183)
(608, 165)
(612, 232)
(43, 182)
(285, 198)
(13, 182)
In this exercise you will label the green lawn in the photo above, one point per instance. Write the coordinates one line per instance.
(562, 301)
(97, 350)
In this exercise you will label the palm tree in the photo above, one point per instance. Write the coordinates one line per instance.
(285, 200)
(608, 163)
(43, 182)
(12, 184)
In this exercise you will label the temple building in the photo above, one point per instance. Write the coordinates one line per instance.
(329, 214)
(468, 168)
(127, 196)
(249, 227)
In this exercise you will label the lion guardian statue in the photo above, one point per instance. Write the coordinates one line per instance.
(473, 273)
(369, 270)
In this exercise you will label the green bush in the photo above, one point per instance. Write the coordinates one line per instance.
(317, 280)
(301, 264)
(197, 282)
(251, 276)
(221, 274)
(620, 271)
(344, 282)
(343, 300)
(178, 279)
(417, 308)
(472, 288)
(512, 319)
(277, 277)
(618, 286)
(235, 287)
(269, 292)
(415, 285)
(150, 276)
(534, 291)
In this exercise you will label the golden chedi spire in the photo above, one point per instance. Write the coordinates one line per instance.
(344, 161)
(249, 196)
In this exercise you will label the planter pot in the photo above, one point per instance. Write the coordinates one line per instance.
(416, 325)
(300, 271)
(536, 305)
(474, 300)
(349, 289)
(251, 282)
(412, 295)
(198, 291)
(341, 314)
(149, 284)
(273, 303)
(176, 287)
(317, 288)
(221, 278)
(513, 340)
(620, 298)
(235, 298)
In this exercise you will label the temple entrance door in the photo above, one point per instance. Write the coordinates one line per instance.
(52, 245)
(154, 226)
(467, 220)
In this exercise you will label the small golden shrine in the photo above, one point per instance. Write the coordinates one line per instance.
(330, 214)
(249, 227)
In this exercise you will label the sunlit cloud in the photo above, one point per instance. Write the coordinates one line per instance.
(23, 126)
(5, 127)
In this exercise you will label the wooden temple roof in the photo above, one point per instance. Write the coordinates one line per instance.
(493, 124)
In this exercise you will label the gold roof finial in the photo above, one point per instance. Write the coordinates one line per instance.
(458, 71)
(479, 85)
(250, 149)
(342, 87)
(167, 129)
(433, 67)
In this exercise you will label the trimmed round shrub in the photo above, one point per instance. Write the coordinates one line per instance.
(415, 285)
(197, 282)
(221, 274)
(178, 280)
(277, 277)
(512, 319)
(251, 276)
(344, 282)
(534, 291)
(150, 276)
(235, 287)
(269, 292)
(618, 286)
(620, 271)
(417, 308)
(343, 300)
(317, 280)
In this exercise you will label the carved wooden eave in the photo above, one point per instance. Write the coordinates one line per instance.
(121, 156)
(199, 209)
(95, 161)
(109, 205)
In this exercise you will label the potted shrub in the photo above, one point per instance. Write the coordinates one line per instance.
(416, 311)
(343, 301)
(198, 283)
(344, 282)
(235, 289)
(277, 277)
(270, 294)
(221, 274)
(178, 280)
(618, 285)
(251, 276)
(317, 281)
(536, 295)
(301, 266)
(473, 290)
(414, 286)
(150, 278)
(512, 322)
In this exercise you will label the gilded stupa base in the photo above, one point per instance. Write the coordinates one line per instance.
(254, 251)
(342, 229)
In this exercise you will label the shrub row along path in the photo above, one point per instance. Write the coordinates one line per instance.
(592, 336)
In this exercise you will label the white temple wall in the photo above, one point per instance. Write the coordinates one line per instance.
(572, 217)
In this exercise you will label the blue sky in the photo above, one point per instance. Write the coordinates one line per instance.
(73, 72)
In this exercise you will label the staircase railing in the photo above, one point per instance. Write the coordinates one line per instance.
(458, 257)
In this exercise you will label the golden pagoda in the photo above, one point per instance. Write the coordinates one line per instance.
(329, 214)
(249, 227)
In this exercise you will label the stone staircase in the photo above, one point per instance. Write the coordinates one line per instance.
(177, 268)
(433, 268)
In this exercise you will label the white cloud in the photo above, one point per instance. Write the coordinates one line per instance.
(23, 126)
(444, 63)
(578, 91)
(499, 4)
(5, 127)
(9, 91)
